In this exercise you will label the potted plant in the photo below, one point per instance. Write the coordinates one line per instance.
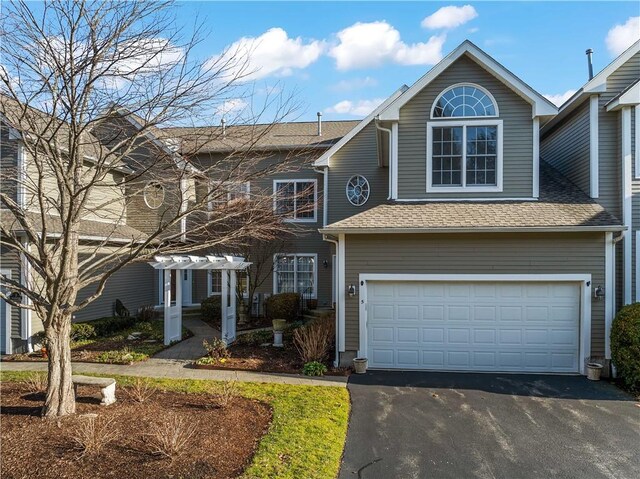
(279, 324)
(594, 370)
(360, 365)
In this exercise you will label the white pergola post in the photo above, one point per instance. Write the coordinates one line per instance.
(224, 305)
(231, 331)
(167, 305)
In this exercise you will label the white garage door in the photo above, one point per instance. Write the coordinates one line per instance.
(481, 326)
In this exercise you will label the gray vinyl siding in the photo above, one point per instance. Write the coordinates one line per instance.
(131, 285)
(635, 203)
(568, 253)
(517, 133)
(567, 146)
(305, 237)
(358, 157)
(10, 259)
(8, 163)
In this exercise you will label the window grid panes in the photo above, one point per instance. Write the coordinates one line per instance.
(296, 199)
(464, 101)
(223, 193)
(296, 274)
(357, 190)
(475, 164)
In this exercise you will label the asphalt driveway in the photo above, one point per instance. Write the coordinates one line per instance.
(450, 425)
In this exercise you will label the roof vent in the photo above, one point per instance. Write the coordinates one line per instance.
(589, 53)
(319, 124)
(224, 128)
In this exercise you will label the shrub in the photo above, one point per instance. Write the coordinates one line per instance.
(625, 345)
(283, 306)
(211, 309)
(216, 349)
(227, 393)
(36, 382)
(140, 390)
(108, 326)
(313, 340)
(93, 433)
(82, 331)
(121, 356)
(255, 338)
(147, 313)
(314, 368)
(171, 435)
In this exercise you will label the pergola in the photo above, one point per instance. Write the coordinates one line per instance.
(229, 265)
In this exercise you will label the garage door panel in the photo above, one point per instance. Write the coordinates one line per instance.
(473, 326)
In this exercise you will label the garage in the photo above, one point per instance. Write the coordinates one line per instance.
(482, 324)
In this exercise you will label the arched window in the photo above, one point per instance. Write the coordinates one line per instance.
(464, 101)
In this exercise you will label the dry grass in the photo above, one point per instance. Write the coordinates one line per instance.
(37, 382)
(228, 391)
(140, 390)
(313, 340)
(171, 436)
(93, 433)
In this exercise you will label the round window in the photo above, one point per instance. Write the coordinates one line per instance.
(154, 195)
(357, 190)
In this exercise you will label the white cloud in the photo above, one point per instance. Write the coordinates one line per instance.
(356, 108)
(450, 17)
(364, 45)
(271, 54)
(233, 105)
(621, 37)
(560, 98)
(354, 84)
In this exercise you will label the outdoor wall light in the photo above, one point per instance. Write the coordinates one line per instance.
(352, 290)
(16, 297)
(325, 263)
(598, 293)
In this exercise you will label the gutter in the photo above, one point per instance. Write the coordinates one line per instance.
(533, 229)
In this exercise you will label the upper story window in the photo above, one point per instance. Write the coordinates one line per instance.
(464, 142)
(358, 190)
(464, 101)
(230, 192)
(153, 195)
(296, 200)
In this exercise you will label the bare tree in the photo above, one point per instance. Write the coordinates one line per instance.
(88, 88)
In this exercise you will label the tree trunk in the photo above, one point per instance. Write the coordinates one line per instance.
(60, 399)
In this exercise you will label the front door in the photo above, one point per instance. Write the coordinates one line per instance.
(186, 276)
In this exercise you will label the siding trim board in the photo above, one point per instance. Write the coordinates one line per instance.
(7, 319)
(593, 146)
(536, 157)
(609, 291)
(585, 298)
(626, 199)
(637, 141)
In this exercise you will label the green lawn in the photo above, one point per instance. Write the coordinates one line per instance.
(307, 434)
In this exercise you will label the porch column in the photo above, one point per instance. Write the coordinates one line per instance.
(234, 301)
(177, 316)
(167, 305)
(224, 304)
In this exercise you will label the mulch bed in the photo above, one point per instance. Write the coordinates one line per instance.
(222, 446)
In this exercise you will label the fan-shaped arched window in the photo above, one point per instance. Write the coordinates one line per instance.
(464, 101)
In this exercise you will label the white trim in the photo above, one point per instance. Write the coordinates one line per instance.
(325, 198)
(626, 200)
(447, 200)
(585, 299)
(394, 160)
(7, 319)
(498, 187)
(164, 193)
(315, 199)
(637, 260)
(326, 156)
(599, 82)
(295, 272)
(470, 229)
(637, 139)
(22, 175)
(594, 147)
(536, 158)
(25, 280)
(609, 290)
(473, 85)
(341, 293)
(541, 106)
(630, 97)
(346, 190)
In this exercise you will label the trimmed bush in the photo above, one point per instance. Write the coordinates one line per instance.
(211, 309)
(82, 331)
(625, 345)
(314, 340)
(108, 326)
(283, 306)
(147, 313)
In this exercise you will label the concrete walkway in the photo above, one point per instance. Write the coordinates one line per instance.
(175, 362)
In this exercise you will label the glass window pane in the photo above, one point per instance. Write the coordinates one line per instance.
(464, 101)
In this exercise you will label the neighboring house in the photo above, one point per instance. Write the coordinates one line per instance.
(594, 142)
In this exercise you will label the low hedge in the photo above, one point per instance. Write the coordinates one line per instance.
(625, 345)
(107, 326)
(82, 332)
(283, 306)
(211, 309)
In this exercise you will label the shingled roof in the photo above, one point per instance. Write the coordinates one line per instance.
(561, 206)
(284, 136)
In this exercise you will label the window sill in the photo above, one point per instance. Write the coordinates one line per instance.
(305, 220)
(464, 189)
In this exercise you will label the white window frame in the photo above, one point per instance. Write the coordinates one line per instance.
(210, 291)
(485, 121)
(315, 199)
(637, 139)
(472, 85)
(295, 272)
(228, 185)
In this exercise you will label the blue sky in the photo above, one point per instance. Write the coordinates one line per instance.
(343, 57)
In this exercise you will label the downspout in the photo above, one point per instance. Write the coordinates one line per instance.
(336, 360)
(388, 131)
(325, 196)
